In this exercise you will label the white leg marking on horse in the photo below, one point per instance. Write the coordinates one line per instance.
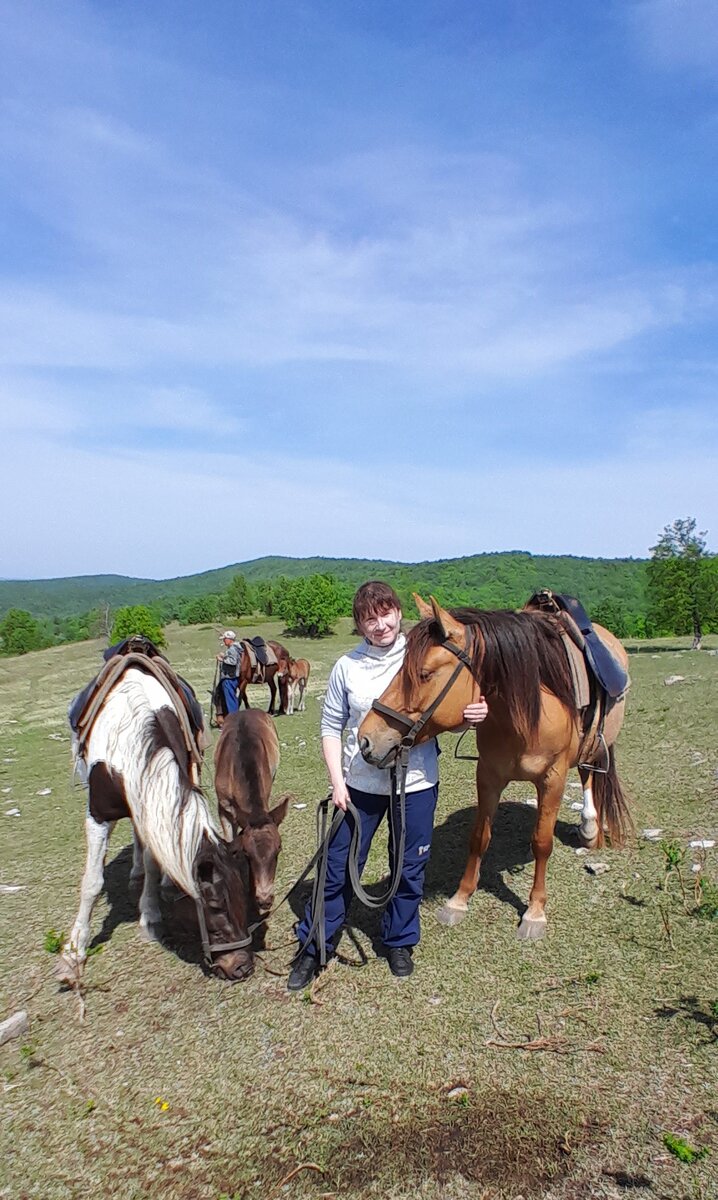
(589, 817)
(150, 915)
(74, 952)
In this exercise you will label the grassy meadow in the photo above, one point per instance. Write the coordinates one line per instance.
(500, 1070)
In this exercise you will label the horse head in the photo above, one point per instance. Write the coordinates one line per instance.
(222, 881)
(260, 842)
(429, 664)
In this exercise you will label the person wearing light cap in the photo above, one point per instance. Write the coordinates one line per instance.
(229, 662)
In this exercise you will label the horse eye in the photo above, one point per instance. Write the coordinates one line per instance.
(425, 676)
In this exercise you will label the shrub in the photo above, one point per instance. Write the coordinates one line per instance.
(310, 606)
(20, 632)
(137, 618)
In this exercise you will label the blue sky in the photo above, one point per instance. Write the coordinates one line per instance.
(404, 279)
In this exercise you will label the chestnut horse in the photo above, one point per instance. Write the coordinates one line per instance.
(294, 685)
(246, 760)
(533, 730)
(271, 673)
(135, 764)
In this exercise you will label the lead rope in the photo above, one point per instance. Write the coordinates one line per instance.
(325, 834)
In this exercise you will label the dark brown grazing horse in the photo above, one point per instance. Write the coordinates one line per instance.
(533, 730)
(270, 675)
(246, 760)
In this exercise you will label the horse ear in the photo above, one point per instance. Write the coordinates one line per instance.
(241, 818)
(279, 812)
(425, 610)
(451, 629)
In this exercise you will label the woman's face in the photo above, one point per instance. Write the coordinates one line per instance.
(382, 629)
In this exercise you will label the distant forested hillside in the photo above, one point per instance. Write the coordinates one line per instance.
(483, 580)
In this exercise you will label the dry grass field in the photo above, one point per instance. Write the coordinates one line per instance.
(178, 1086)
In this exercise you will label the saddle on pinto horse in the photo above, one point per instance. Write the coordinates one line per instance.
(261, 656)
(599, 680)
(139, 651)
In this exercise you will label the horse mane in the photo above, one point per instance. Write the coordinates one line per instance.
(514, 655)
(177, 819)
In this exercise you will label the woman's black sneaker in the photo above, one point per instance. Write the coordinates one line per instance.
(400, 961)
(304, 968)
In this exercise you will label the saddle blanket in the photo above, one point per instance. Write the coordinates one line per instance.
(611, 675)
(261, 656)
(82, 699)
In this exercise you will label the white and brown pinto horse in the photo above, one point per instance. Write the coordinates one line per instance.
(135, 764)
(532, 732)
(294, 685)
(246, 760)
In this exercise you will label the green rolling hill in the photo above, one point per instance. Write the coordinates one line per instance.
(501, 579)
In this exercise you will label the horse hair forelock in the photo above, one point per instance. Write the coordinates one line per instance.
(135, 735)
(514, 654)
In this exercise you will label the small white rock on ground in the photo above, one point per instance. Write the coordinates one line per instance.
(673, 679)
(598, 868)
(13, 1027)
(651, 835)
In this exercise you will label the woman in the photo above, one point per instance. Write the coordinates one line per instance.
(356, 680)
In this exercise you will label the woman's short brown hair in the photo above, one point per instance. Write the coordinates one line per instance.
(372, 599)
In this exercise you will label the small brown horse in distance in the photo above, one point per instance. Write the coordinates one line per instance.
(246, 760)
(294, 685)
(532, 732)
(272, 673)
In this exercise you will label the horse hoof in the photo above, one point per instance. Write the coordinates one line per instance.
(151, 932)
(531, 929)
(588, 835)
(69, 970)
(448, 915)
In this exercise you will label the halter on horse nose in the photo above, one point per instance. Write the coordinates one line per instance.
(414, 728)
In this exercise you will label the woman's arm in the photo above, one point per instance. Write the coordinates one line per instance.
(474, 713)
(335, 714)
(332, 751)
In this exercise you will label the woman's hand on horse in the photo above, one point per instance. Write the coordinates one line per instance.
(476, 712)
(340, 795)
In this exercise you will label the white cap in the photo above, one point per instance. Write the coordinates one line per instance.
(229, 633)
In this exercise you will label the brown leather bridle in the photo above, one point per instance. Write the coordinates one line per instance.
(414, 728)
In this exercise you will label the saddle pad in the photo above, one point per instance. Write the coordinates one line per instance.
(610, 674)
(264, 653)
(85, 708)
(579, 673)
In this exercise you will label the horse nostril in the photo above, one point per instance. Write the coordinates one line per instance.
(364, 745)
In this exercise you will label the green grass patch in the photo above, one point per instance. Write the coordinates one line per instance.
(357, 1079)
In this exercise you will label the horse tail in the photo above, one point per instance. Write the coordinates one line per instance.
(611, 803)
